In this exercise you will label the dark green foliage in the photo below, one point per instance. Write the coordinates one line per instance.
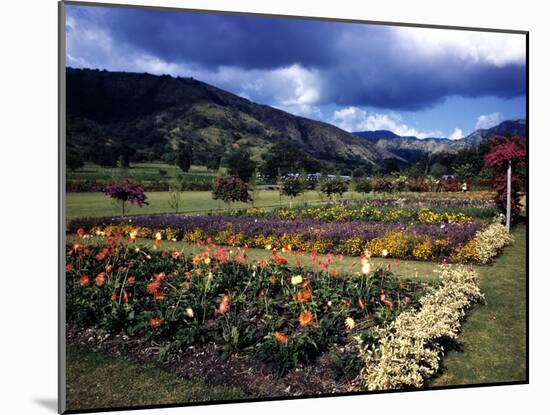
(74, 161)
(363, 185)
(334, 187)
(184, 156)
(241, 165)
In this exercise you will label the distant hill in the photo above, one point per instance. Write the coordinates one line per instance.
(413, 148)
(150, 114)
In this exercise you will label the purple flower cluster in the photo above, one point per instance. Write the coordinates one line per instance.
(308, 229)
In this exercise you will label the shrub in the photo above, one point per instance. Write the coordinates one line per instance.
(333, 187)
(410, 348)
(231, 189)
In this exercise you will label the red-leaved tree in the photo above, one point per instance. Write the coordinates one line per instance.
(123, 193)
(508, 150)
(231, 189)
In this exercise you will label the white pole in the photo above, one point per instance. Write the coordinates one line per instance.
(509, 196)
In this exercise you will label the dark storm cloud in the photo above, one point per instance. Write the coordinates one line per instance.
(230, 40)
(352, 64)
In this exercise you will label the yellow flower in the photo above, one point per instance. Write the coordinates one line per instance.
(297, 279)
(158, 236)
(268, 247)
(349, 323)
(207, 260)
(133, 234)
(384, 252)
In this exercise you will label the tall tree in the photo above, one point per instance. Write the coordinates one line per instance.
(241, 165)
(184, 155)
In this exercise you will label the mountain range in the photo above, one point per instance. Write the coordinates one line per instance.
(413, 148)
(152, 114)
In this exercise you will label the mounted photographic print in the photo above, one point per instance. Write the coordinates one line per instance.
(258, 207)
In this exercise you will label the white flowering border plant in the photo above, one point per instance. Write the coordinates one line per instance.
(409, 350)
(491, 240)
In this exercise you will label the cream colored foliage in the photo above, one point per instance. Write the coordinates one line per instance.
(491, 240)
(408, 351)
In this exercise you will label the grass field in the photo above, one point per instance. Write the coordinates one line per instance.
(490, 349)
(97, 204)
(142, 172)
(97, 381)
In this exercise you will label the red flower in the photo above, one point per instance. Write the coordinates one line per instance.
(158, 295)
(221, 254)
(155, 322)
(68, 267)
(131, 280)
(113, 297)
(84, 280)
(100, 279)
(159, 277)
(80, 232)
(176, 254)
(124, 296)
(153, 287)
(224, 305)
(108, 268)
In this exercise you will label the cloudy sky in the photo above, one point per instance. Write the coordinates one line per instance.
(413, 81)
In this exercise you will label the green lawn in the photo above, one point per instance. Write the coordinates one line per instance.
(98, 381)
(493, 338)
(491, 348)
(97, 204)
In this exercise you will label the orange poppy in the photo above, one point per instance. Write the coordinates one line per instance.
(81, 232)
(402, 285)
(113, 297)
(124, 296)
(306, 318)
(281, 338)
(131, 280)
(333, 272)
(84, 280)
(158, 295)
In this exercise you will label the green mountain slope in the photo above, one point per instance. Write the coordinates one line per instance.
(110, 111)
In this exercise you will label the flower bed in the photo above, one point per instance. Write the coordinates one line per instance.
(414, 241)
(409, 350)
(368, 213)
(283, 316)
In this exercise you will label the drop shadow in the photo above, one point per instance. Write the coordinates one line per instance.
(48, 403)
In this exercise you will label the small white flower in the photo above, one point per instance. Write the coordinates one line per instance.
(189, 313)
